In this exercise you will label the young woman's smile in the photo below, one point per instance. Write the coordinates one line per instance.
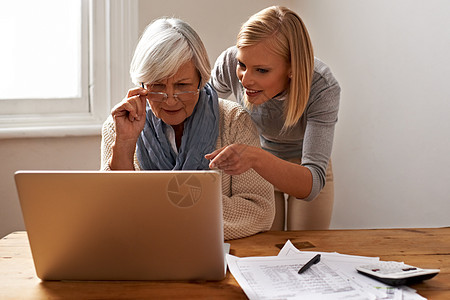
(262, 73)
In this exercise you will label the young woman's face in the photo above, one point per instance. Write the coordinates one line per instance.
(262, 73)
(173, 111)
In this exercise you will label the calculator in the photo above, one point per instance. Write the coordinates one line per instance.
(396, 273)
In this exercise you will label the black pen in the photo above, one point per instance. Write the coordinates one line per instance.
(311, 262)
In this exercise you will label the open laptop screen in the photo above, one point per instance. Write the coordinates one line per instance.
(124, 225)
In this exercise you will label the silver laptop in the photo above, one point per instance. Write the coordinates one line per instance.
(148, 225)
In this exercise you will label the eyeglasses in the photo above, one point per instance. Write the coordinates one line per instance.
(181, 96)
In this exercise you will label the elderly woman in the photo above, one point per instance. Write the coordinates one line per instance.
(173, 118)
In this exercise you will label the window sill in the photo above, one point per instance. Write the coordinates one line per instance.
(46, 126)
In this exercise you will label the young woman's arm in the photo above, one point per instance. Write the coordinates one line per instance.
(291, 178)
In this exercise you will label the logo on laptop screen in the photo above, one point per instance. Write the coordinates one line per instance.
(184, 190)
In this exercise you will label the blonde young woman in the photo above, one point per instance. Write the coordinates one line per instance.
(293, 98)
(173, 118)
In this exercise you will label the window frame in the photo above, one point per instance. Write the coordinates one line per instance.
(113, 34)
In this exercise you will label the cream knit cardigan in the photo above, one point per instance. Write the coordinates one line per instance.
(248, 199)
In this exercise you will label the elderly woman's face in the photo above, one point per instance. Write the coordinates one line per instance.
(173, 111)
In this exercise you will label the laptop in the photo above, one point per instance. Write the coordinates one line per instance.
(124, 225)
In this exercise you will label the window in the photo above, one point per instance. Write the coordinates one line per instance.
(64, 65)
(45, 61)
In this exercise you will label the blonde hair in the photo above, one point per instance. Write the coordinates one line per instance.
(288, 37)
(166, 45)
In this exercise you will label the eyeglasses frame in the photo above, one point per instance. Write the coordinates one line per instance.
(174, 95)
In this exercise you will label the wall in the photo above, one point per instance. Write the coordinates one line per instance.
(392, 139)
(216, 22)
(69, 153)
(392, 142)
(390, 57)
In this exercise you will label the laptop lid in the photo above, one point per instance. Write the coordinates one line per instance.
(124, 225)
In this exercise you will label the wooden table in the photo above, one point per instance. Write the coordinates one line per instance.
(426, 248)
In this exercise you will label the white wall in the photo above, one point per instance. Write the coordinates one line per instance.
(68, 153)
(391, 58)
(392, 140)
(393, 136)
(216, 21)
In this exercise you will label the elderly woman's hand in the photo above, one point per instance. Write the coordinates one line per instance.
(129, 115)
(233, 159)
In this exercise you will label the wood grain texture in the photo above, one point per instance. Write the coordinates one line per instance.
(426, 248)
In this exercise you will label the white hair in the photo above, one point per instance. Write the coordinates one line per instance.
(166, 45)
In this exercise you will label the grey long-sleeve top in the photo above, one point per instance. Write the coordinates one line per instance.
(311, 139)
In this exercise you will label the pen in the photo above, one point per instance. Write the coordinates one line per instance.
(311, 262)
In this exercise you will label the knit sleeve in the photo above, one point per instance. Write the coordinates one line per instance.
(108, 139)
(248, 199)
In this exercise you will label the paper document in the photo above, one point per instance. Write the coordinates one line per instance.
(334, 277)
(273, 277)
